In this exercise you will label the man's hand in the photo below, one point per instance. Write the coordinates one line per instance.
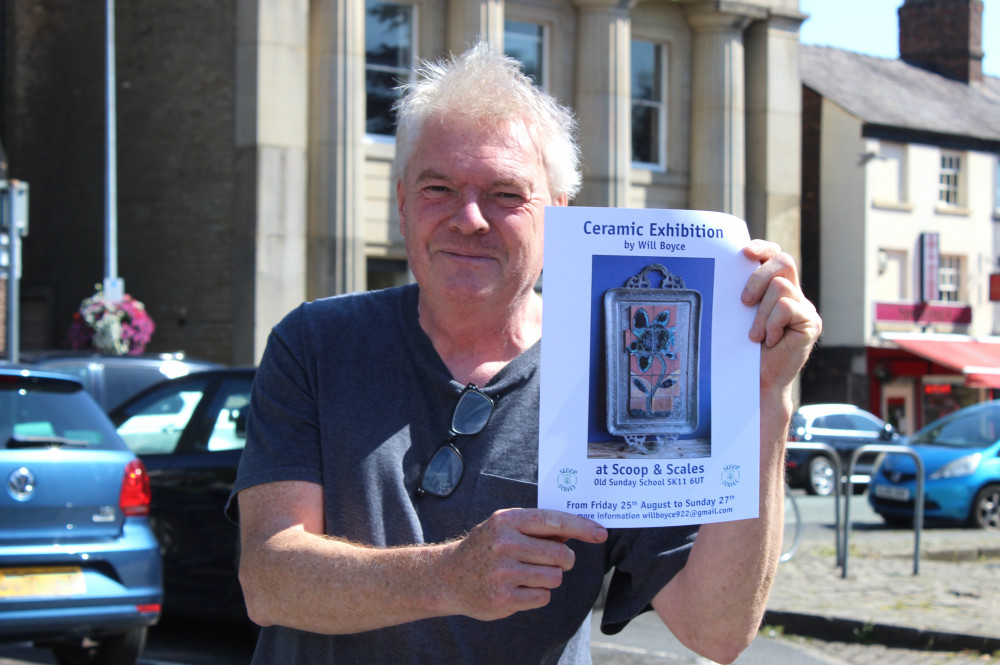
(513, 560)
(786, 323)
(715, 604)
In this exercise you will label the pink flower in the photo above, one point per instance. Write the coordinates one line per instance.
(123, 328)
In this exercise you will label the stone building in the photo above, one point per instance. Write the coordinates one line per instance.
(254, 146)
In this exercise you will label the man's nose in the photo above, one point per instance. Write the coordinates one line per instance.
(469, 217)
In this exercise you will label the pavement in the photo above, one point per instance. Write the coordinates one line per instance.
(951, 604)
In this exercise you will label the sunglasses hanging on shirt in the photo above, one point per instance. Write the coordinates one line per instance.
(444, 471)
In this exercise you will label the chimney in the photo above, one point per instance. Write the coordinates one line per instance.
(943, 36)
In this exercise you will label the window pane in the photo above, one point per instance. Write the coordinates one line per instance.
(230, 429)
(645, 134)
(388, 34)
(646, 75)
(156, 426)
(948, 183)
(525, 42)
(388, 55)
(950, 278)
(380, 91)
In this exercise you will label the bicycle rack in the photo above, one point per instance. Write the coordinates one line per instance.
(835, 459)
(918, 506)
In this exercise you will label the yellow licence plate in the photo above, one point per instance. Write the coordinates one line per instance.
(29, 582)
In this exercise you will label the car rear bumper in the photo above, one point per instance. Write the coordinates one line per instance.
(42, 623)
(120, 586)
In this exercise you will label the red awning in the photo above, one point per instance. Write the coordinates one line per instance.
(976, 358)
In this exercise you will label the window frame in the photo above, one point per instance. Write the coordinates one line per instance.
(950, 282)
(951, 179)
(408, 69)
(662, 51)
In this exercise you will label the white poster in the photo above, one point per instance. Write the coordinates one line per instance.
(650, 383)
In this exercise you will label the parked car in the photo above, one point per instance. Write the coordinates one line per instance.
(112, 379)
(961, 457)
(79, 565)
(843, 426)
(190, 432)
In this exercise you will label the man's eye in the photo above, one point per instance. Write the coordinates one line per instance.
(510, 196)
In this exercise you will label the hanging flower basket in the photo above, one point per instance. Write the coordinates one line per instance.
(120, 329)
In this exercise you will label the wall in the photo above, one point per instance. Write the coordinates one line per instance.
(175, 127)
(842, 221)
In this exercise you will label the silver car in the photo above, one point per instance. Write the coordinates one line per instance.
(843, 426)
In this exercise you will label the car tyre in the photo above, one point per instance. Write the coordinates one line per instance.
(986, 508)
(120, 649)
(820, 476)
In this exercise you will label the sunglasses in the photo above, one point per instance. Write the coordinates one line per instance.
(444, 471)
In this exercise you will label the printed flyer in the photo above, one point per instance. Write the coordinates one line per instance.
(649, 411)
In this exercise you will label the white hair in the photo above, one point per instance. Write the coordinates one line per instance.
(489, 88)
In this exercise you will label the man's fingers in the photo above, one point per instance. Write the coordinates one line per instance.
(774, 264)
(555, 525)
(513, 560)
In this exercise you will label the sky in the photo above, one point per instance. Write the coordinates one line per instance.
(872, 27)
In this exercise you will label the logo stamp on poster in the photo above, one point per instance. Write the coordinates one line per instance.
(731, 475)
(567, 479)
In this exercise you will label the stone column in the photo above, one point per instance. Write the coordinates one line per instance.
(270, 190)
(471, 20)
(774, 144)
(336, 248)
(603, 100)
(717, 110)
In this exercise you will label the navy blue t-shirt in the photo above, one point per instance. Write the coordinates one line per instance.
(351, 394)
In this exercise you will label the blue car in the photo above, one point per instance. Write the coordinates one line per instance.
(961, 457)
(80, 568)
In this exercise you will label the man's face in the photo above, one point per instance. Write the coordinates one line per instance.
(470, 207)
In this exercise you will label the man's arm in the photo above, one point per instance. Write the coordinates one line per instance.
(714, 605)
(294, 576)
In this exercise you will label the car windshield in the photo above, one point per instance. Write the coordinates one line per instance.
(975, 428)
(51, 413)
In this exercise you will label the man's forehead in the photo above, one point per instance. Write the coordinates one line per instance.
(499, 178)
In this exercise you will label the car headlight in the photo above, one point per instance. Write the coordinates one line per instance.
(963, 466)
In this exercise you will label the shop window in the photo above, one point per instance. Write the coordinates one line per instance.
(389, 53)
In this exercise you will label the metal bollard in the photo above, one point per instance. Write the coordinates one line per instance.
(835, 458)
(918, 507)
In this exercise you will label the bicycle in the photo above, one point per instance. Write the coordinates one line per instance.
(792, 536)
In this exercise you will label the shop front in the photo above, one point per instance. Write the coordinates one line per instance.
(918, 377)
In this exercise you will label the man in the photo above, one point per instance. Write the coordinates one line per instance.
(344, 557)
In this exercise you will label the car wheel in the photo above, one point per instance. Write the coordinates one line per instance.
(820, 478)
(986, 508)
(121, 649)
